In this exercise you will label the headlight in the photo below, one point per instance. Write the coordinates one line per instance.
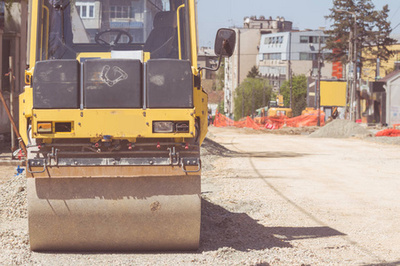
(44, 127)
(163, 127)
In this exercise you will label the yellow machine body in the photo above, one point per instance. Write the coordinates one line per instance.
(277, 108)
(112, 178)
(280, 111)
(86, 123)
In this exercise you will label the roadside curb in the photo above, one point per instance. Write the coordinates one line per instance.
(6, 160)
(11, 163)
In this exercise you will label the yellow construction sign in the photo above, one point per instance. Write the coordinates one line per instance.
(333, 93)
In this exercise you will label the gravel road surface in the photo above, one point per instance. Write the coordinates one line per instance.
(267, 199)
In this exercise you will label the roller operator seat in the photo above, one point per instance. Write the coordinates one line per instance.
(163, 39)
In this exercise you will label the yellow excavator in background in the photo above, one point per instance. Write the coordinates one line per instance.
(113, 115)
(277, 108)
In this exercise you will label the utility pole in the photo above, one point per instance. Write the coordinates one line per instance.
(263, 82)
(11, 77)
(353, 59)
(319, 83)
(252, 101)
(290, 70)
(355, 70)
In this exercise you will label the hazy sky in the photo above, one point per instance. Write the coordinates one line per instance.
(305, 14)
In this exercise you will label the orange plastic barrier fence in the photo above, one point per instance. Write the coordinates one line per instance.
(277, 122)
(223, 121)
(390, 132)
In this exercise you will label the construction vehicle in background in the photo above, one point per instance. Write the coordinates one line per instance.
(274, 109)
(260, 117)
(114, 115)
(277, 108)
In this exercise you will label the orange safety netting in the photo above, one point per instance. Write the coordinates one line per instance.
(276, 122)
(390, 132)
(222, 121)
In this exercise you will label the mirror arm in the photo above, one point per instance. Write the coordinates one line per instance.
(213, 69)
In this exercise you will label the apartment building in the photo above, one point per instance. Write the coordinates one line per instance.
(247, 50)
(299, 49)
(207, 58)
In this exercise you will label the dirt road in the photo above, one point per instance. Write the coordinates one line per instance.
(268, 200)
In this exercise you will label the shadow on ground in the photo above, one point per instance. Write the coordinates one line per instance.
(396, 263)
(214, 148)
(222, 228)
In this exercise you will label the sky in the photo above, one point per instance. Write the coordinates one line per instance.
(305, 14)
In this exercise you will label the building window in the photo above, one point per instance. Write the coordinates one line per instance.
(85, 9)
(273, 40)
(304, 39)
(308, 56)
(119, 11)
(273, 56)
(312, 39)
(304, 56)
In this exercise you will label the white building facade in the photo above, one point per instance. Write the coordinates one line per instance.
(246, 52)
(300, 49)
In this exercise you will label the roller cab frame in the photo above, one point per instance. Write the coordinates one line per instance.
(114, 115)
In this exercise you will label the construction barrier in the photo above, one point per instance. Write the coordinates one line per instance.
(276, 122)
(222, 121)
(390, 132)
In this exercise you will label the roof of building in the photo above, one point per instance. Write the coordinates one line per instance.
(215, 96)
(390, 76)
(206, 51)
(396, 37)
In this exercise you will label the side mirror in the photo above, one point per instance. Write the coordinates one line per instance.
(225, 42)
(224, 46)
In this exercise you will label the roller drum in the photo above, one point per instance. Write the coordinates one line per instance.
(114, 214)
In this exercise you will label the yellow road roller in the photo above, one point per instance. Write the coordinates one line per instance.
(113, 115)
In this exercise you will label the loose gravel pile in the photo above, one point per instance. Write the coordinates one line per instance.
(13, 198)
(14, 239)
(341, 129)
(385, 140)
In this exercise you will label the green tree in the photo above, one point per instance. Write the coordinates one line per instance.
(299, 93)
(221, 107)
(250, 95)
(220, 77)
(253, 73)
(373, 30)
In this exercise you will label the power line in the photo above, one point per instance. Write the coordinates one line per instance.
(395, 26)
(393, 16)
(397, 10)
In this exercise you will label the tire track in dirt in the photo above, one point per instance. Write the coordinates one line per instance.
(299, 208)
